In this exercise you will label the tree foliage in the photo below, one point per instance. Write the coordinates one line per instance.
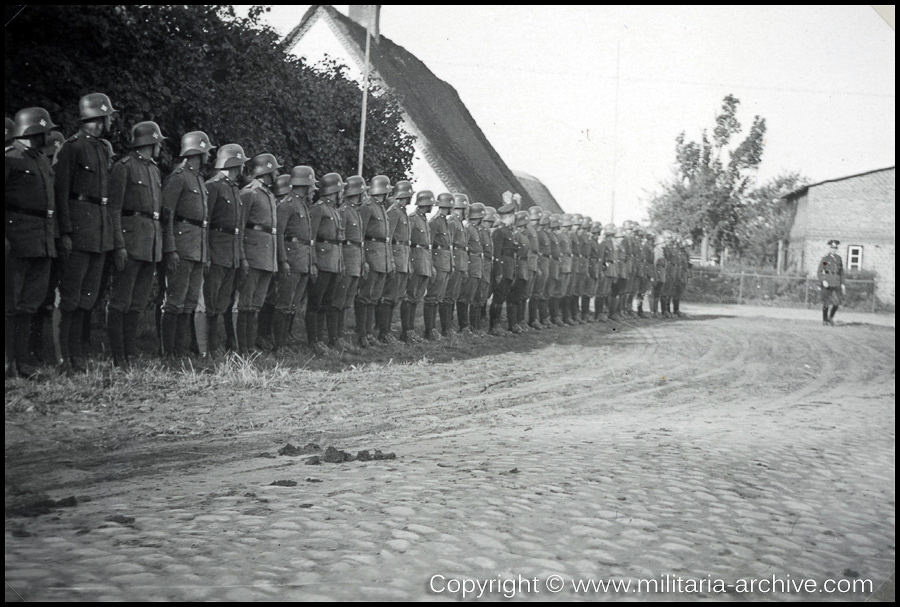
(710, 179)
(764, 218)
(196, 67)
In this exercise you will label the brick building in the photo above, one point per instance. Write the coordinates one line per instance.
(858, 210)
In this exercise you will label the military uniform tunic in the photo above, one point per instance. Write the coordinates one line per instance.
(420, 258)
(185, 232)
(345, 291)
(442, 258)
(30, 228)
(261, 246)
(298, 245)
(831, 270)
(475, 259)
(376, 230)
(135, 206)
(397, 279)
(459, 242)
(486, 283)
(226, 242)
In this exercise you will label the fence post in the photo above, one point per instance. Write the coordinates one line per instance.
(806, 292)
(741, 288)
(874, 296)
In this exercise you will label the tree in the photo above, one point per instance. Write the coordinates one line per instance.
(764, 219)
(199, 67)
(710, 178)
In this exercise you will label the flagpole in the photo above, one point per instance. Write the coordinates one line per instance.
(365, 100)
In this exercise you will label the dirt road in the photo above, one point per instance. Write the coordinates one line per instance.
(704, 449)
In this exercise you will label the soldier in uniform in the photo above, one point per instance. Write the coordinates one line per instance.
(595, 269)
(135, 205)
(326, 229)
(260, 247)
(647, 270)
(478, 311)
(672, 274)
(565, 267)
(397, 279)
(831, 282)
(379, 258)
(606, 272)
(442, 260)
(421, 266)
(348, 284)
(550, 308)
(459, 245)
(82, 192)
(31, 232)
(228, 264)
(506, 251)
(297, 243)
(683, 258)
(185, 241)
(523, 271)
(586, 291)
(537, 263)
(659, 275)
(466, 316)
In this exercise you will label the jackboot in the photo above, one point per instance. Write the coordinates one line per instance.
(332, 325)
(265, 316)
(25, 363)
(252, 329)
(370, 323)
(168, 328)
(462, 317)
(512, 315)
(359, 313)
(405, 325)
(231, 338)
(183, 334)
(444, 311)
(65, 327)
(212, 334)
(413, 309)
(279, 330)
(75, 337)
(36, 334)
(383, 314)
(130, 321)
(430, 310)
(116, 331)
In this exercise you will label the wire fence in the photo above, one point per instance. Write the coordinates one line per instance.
(713, 286)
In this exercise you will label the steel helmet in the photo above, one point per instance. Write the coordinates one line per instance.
(565, 220)
(521, 218)
(575, 220)
(95, 105)
(403, 189)
(477, 211)
(534, 212)
(586, 222)
(303, 175)
(460, 201)
(355, 185)
(555, 220)
(263, 164)
(145, 133)
(282, 185)
(545, 219)
(425, 198)
(10, 129)
(445, 201)
(331, 183)
(610, 228)
(32, 121)
(380, 184)
(195, 142)
(55, 140)
(229, 156)
(596, 227)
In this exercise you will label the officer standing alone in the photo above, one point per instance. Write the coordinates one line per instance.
(831, 282)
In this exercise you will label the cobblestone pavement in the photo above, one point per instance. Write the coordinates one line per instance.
(752, 449)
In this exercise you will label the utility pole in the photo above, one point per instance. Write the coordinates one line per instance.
(365, 98)
(612, 211)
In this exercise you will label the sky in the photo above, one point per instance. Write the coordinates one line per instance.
(591, 99)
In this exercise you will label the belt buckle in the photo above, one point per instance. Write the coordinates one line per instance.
(103, 201)
(49, 213)
(312, 243)
(273, 231)
(155, 215)
(237, 231)
(205, 223)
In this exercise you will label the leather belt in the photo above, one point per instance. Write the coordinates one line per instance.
(149, 215)
(376, 239)
(91, 199)
(300, 240)
(226, 230)
(441, 247)
(419, 246)
(329, 240)
(200, 223)
(258, 227)
(355, 243)
(47, 213)
(403, 242)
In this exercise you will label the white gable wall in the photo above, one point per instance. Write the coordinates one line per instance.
(320, 42)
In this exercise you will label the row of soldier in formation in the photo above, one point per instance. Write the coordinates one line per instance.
(283, 241)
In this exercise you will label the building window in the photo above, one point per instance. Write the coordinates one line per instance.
(854, 257)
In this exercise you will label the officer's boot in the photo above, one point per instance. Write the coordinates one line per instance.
(405, 325)
(130, 322)
(85, 338)
(370, 324)
(116, 331)
(332, 326)
(22, 360)
(182, 334)
(462, 317)
(577, 310)
(168, 325)
(230, 333)
(428, 317)
(212, 334)
(253, 331)
(834, 309)
(533, 314)
(289, 339)
(279, 329)
(444, 314)
(265, 316)
(76, 334)
(194, 343)
(65, 327)
(383, 314)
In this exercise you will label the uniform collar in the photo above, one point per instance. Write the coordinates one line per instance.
(136, 156)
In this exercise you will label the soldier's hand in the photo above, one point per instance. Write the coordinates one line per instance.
(120, 256)
(284, 270)
(172, 261)
(313, 273)
(65, 246)
(825, 283)
(206, 268)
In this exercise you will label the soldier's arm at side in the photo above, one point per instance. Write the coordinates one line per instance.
(171, 192)
(117, 184)
(65, 161)
(282, 213)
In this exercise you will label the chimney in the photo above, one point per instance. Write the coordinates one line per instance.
(364, 14)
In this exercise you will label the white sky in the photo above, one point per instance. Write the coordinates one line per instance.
(541, 83)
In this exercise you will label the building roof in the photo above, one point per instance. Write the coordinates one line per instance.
(538, 192)
(454, 144)
(802, 189)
